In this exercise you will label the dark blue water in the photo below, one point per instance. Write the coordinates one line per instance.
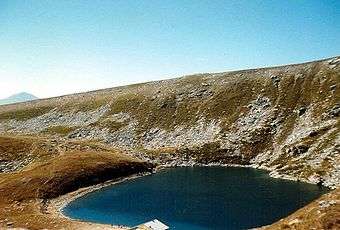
(196, 198)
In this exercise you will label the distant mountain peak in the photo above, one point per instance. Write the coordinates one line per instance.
(18, 97)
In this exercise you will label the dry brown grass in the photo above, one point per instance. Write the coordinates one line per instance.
(24, 149)
(25, 114)
(14, 148)
(66, 173)
(60, 130)
(23, 194)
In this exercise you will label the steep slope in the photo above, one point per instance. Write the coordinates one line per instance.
(20, 97)
(56, 168)
(284, 119)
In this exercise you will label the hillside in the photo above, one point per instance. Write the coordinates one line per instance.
(60, 167)
(284, 119)
(16, 98)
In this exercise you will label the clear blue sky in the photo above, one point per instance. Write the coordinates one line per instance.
(50, 48)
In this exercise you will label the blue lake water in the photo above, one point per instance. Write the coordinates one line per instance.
(196, 198)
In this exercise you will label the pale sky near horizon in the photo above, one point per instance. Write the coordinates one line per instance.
(50, 48)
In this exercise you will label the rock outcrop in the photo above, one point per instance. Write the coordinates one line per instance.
(284, 119)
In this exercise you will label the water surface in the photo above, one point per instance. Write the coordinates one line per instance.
(196, 198)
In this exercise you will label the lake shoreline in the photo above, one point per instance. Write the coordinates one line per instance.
(56, 205)
(146, 217)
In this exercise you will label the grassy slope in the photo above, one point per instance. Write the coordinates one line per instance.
(23, 193)
(155, 104)
(224, 97)
(66, 173)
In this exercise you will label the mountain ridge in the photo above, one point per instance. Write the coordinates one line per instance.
(174, 79)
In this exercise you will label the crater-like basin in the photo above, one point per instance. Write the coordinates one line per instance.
(196, 198)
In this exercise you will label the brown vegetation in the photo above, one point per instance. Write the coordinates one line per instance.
(23, 194)
(61, 130)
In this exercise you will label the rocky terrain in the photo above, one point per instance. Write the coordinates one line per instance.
(283, 119)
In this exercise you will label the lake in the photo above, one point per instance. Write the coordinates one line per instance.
(197, 198)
